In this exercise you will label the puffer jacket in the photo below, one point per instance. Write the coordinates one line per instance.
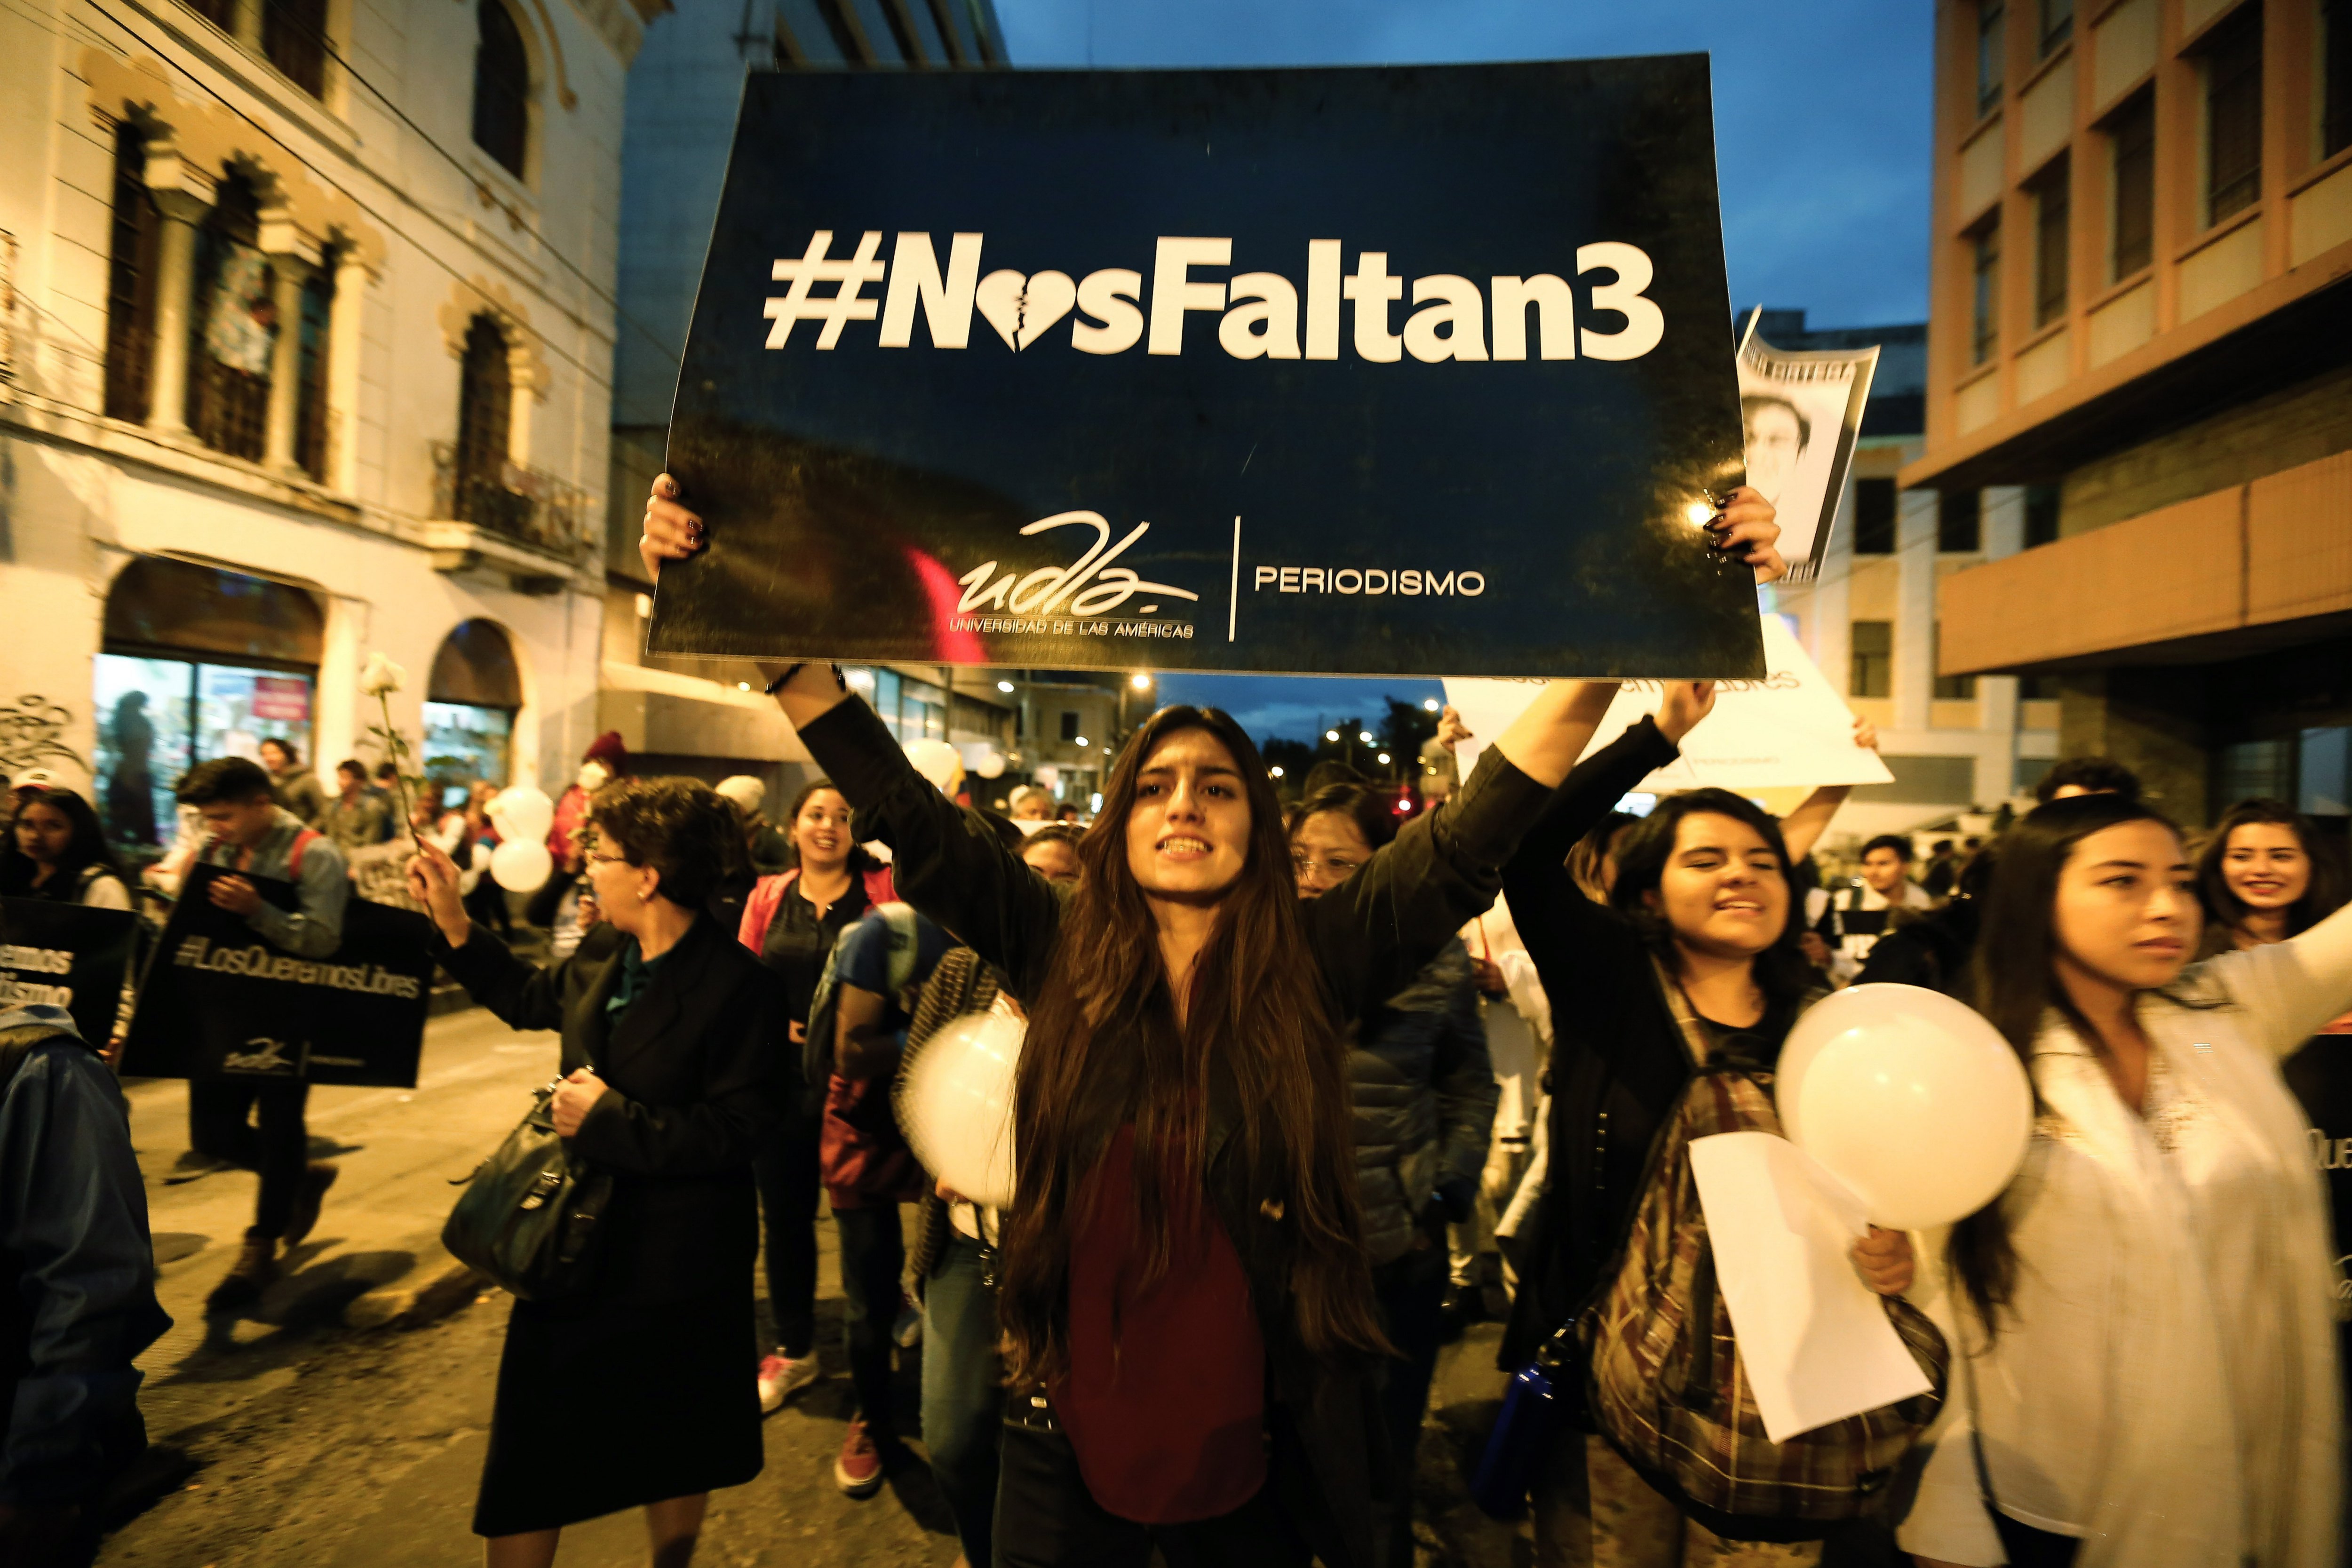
(1424, 1094)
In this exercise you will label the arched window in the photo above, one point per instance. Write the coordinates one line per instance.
(234, 329)
(470, 709)
(485, 412)
(501, 87)
(310, 400)
(131, 280)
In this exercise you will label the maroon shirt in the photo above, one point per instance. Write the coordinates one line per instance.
(1165, 1403)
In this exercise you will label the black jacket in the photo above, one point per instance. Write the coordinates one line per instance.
(696, 1079)
(1369, 936)
(1618, 1060)
(1425, 1095)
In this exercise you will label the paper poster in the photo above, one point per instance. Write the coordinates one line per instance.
(1816, 1342)
(1366, 371)
(1800, 416)
(1788, 728)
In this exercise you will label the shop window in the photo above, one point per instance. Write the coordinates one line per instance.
(484, 414)
(2233, 115)
(2335, 77)
(2052, 209)
(2323, 775)
(1069, 727)
(1984, 305)
(2131, 143)
(1873, 516)
(501, 87)
(234, 327)
(1992, 46)
(196, 663)
(131, 280)
(470, 702)
(1871, 646)
(2255, 768)
(294, 38)
(1960, 523)
(2041, 515)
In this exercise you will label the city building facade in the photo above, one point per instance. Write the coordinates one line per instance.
(308, 315)
(2138, 327)
(1954, 744)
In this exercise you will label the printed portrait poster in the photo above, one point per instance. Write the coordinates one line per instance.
(1800, 416)
(217, 1001)
(1326, 372)
(68, 956)
(1789, 729)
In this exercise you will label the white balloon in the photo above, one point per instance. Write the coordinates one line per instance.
(521, 865)
(954, 1101)
(991, 765)
(521, 813)
(1910, 1098)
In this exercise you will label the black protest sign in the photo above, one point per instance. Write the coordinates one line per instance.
(67, 955)
(217, 1001)
(1372, 371)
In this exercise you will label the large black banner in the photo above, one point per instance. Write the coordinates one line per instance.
(219, 1002)
(1367, 371)
(66, 955)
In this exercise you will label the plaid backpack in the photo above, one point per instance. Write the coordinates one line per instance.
(1663, 1377)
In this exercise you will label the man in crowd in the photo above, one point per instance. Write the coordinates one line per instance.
(1857, 915)
(1943, 866)
(259, 841)
(77, 1289)
(296, 787)
(359, 817)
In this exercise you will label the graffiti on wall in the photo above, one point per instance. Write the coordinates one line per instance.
(32, 730)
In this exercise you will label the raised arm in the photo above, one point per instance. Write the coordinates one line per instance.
(2290, 988)
(945, 861)
(1803, 829)
(1592, 789)
(520, 995)
(1375, 930)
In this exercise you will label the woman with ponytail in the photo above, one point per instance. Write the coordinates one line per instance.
(2146, 1313)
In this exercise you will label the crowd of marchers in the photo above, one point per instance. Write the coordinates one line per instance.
(1303, 1085)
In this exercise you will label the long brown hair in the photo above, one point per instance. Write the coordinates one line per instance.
(2017, 987)
(2323, 892)
(1104, 1050)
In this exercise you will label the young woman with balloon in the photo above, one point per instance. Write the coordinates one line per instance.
(2148, 1307)
(791, 921)
(1701, 895)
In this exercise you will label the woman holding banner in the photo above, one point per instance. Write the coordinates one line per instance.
(2149, 1305)
(632, 1393)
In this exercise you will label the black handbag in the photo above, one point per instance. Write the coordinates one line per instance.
(530, 1212)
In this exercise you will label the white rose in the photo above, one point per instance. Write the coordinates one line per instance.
(381, 676)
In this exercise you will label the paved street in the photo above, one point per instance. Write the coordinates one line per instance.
(286, 1440)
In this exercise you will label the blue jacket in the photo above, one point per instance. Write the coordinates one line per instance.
(76, 1269)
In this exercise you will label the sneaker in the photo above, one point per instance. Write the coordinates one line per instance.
(255, 1270)
(906, 1332)
(317, 1177)
(781, 1377)
(858, 1470)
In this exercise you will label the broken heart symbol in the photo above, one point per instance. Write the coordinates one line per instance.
(1021, 309)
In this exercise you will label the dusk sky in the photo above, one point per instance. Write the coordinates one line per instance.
(1822, 138)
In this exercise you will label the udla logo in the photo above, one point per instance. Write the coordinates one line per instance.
(1089, 586)
(1260, 315)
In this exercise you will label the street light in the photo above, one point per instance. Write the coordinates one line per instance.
(1331, 735)
(1006, 687)
(1139, 680)
(1365, 736)
(1384, 759)
(1082, 739)
(1275, 771)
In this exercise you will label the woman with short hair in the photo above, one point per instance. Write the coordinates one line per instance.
(631, 1392)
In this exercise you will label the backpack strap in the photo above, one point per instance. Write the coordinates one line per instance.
(302, 842)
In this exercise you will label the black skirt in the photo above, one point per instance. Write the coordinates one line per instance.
(605, 1405)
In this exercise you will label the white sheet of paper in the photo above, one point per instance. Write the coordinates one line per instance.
(1814, 1342)
(1790, 728)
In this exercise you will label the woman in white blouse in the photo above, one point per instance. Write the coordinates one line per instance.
(2150, 1307)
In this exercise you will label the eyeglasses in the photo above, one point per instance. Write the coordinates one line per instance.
(1338, 867)
(596, 859)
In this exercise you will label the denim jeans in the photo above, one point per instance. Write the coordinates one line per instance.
(873, 1256)
(964, 1400)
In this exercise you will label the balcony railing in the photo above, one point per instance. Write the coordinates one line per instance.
(514, 502)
